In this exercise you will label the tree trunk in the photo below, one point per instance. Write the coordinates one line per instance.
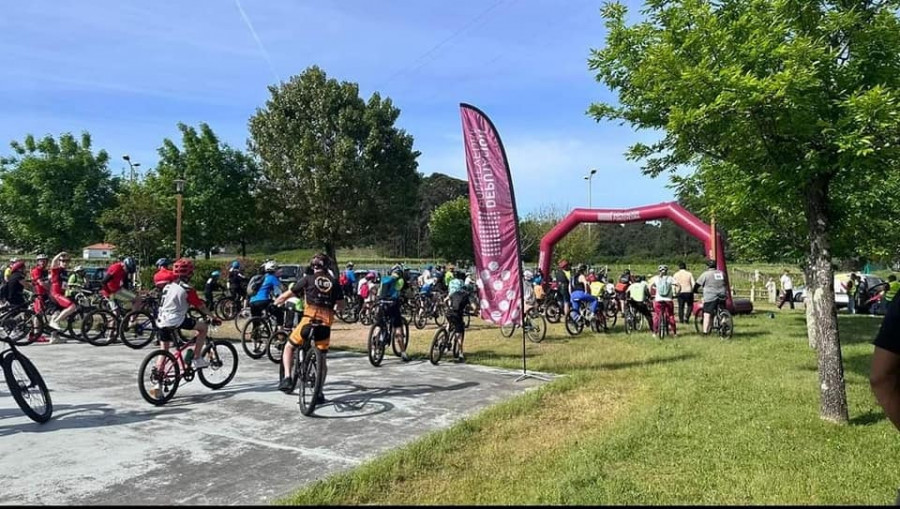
(243, 248)
(822, 312)
(206, 254)
(810, 305)
(332, 254)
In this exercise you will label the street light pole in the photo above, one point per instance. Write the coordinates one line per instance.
(179, 188)
(131, 165)
(589, 177)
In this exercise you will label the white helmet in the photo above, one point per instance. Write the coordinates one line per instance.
(270, 266)
(528, 275)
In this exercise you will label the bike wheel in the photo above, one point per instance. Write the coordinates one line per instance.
(275, 346)
(611, 310)
(404, 343)
(99, 327)
(376, 344)
(27, 387)
(467, 318)
(610, 320)
(438, 345)
(137, 329)
(421, 319)
(21, 327)
(312, 378)
(628, 321)
(254, 335)
(163, 379)
(507, 330)
(537, 330)
(553, 312)
(698, 322)
(241, 318)
(223, 363)
(366, 317)
(73, 326)
(440, 318)
(226, 309)
(726, 324)
(573, 326)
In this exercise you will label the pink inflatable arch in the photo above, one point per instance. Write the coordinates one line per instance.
(669, 210)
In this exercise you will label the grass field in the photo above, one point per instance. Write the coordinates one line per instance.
(691, 420)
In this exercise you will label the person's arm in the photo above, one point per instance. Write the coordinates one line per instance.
(55, 262)
(284, 296)
(197, 303)
(885, 382)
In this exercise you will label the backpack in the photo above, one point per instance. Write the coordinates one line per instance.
(364, 291)
(664, 286)
(254, 284)
(343, 281)
(387, 287)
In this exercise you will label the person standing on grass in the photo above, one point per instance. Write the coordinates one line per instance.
(849, 287)
(685, 281)
(884, 372)
(787, 290)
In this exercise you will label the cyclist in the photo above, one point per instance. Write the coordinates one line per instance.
(666, 288)
(76, 281)
(212, 285)
(9, 270)
(391, 286)
(528, 290)
(424, 277)
(579, 292)
(15, 285)
(67, 307)
(236, 283)
(348, 279)
(323, 295)
(116, 284)
(366, 290)
(449, 275)
(638, 294)
(712, 281)
(621, 288)
(458, 299)
(177, 298)
(40, 282)
(562, 278)
(269, 289)
(164, 274)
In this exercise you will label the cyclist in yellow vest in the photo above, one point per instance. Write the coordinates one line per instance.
(890, 291)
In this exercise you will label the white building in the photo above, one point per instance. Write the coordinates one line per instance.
(99, 251)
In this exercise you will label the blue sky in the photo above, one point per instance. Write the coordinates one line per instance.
(128, 72)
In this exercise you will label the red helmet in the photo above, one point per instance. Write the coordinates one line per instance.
(18, 266)
(184, 267)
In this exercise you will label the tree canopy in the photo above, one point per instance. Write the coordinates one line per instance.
(451, 230)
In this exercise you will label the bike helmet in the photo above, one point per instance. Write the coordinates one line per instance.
(184, 268)
(41, 256)
(216, 273)
(13, 260)
(397, 271)
(79, 268)
(371, 275)
(662, 268)
(163, 262)
(582, 267)
(349, 265)
(130, 264)
(638, 278)
(563, 264)
(235, 264)
(711, 264)
(429, 267)
(628, 271)
(270, 266)
(17, 266)
(528, 275)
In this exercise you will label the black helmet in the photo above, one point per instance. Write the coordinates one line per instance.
(319, 261)
(711, 264)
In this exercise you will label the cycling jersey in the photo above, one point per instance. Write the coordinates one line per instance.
(74, 284)
(38, 280)
(117, 275)
(270, 287)
(15, 284)
(56, 280)
(177, 298)
(163, 277)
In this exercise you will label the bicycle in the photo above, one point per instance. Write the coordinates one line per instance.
(92, 325)
(430, 306)
(279, 338)
(350, 313)
(634, 320)
(535, 325)
(662, 322)
(256, 332)
(584, 316)
(20, 324)
(25, 383)
(175, 368)
(444, 339)
(382, 332)
(722, 321)
(309, 366)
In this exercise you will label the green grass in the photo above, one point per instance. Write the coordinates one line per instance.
(637, 421)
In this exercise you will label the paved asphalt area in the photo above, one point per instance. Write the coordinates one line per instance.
(244, 444)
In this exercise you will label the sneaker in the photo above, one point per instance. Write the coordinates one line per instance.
(320, 399)
(199, 363)
(56, 339)
(155, 391)
(461, 359)
(286, 385)
(54, 324)
(42, 339)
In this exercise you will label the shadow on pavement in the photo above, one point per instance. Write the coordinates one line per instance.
(356, 398)
(80, 416)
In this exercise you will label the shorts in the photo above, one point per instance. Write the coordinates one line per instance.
(60, 300)
(167, 334)
(622, 296)
(710, 307)
(323, 316)
(124, 295)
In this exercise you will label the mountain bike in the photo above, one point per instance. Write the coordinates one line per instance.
(535, 325)
(444, 339)
(576, 321)
(310, 369)
(25, 383)
(634, 319)
(20, 324)
(89, 324)
(159, 380)
(382, 332)
(256, 332)
(662, 322)
(430, 306)
(722, 321)
(550, 304)
(351, 310)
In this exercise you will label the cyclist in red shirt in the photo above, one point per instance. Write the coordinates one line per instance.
(40, 283)
(115, 286)
(57, 268)
(163, 275)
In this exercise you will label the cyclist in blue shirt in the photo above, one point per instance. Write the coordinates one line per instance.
(268, 290)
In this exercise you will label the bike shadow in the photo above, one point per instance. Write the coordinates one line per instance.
(365, 401)
(90, 415)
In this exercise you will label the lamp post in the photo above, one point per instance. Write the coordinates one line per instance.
(131, 165)
(179, 188)
(589, 177)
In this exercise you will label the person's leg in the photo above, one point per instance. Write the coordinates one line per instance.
(657, 309)
(690, 308)
(682, 300)
(670, 307)
(789, 295)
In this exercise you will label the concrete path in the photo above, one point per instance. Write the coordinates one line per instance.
(244, 444)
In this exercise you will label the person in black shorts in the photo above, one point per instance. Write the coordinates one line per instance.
(562, 280)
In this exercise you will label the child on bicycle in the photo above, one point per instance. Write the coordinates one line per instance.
(457, 300)
(323, 296)
(638, 295)
(177, 298)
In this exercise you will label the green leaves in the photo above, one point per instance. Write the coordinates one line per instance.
(451, 230)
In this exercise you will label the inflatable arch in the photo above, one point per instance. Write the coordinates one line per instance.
(670, 210)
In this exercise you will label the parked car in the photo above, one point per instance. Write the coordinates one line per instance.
(874, 283)
(288, 274)
(93, 277)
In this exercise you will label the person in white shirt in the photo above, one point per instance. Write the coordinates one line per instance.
(685, 281)
(787, 290)
(666, 288)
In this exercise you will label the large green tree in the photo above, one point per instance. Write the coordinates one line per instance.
(219, 192)
(52, 192)
(787, 113)
(335, 166)
(451, 230)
